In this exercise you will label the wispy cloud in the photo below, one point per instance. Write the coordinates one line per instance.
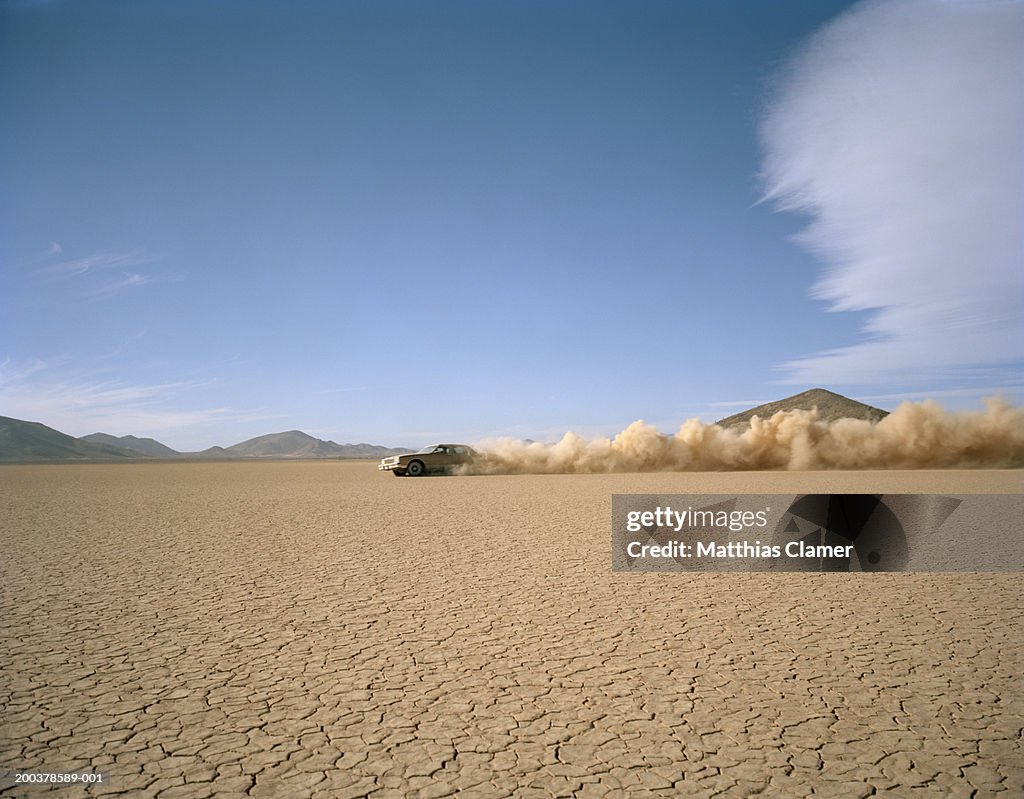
(127, 281)
(97, 262)
(48, 392)
(1009, 391)
(898, 130)
(96, 276)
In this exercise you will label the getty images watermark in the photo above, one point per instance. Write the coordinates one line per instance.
(817, 532)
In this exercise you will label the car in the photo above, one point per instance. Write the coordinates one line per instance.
(435, 459)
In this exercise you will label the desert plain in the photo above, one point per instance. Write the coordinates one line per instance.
(320, 629)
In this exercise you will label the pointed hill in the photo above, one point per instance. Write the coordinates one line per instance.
(290, 444)
(145, 447)
(831, 406)
(296, 444)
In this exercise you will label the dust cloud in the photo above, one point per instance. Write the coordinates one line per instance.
(914, 436)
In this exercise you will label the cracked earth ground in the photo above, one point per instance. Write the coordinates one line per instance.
(324, 630)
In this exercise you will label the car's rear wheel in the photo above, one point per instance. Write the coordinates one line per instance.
(415, 469)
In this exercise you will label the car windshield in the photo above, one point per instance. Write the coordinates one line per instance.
(427, 450)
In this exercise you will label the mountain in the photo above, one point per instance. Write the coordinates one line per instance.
(369, 450)
(22, 442)
(209, 452)
(831, 406)
(296, 444)
(291, 444)
(145, 447)
(26, 442)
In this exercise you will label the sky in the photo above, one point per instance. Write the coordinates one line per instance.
(403, 222)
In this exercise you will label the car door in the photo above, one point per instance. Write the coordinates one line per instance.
(447, 458)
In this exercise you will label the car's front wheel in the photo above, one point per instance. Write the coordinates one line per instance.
(415, 469)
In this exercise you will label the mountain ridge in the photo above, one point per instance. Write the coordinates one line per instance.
(297, 444)
(22, 442)
(33, 442)
(145, 447)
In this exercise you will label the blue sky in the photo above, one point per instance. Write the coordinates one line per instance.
(402, 222)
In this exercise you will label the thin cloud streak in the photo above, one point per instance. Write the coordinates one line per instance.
(99, 261)
(79, 407)
(899, 130)
(90, 276)
(129, 280)
(1008, 392)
